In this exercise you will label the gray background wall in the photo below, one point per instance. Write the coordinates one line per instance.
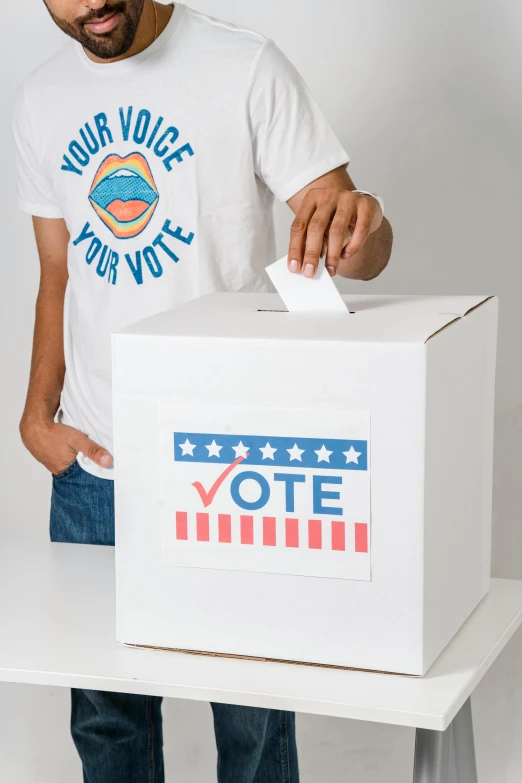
(426, 98)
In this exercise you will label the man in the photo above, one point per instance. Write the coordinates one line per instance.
(148, 152)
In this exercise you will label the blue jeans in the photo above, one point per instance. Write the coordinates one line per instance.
(119, 735)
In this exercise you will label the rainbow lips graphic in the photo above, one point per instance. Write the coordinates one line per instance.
(124, 194)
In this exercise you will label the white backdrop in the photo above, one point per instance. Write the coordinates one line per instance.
(426, 98)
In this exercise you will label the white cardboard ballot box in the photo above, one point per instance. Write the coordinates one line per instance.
(305, 487)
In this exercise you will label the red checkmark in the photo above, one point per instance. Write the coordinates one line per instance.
(208, 497)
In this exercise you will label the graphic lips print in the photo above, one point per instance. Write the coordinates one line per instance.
(124, 194)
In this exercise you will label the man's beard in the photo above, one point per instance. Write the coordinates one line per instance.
(106, 46)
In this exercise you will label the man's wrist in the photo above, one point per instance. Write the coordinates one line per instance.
(33, 420)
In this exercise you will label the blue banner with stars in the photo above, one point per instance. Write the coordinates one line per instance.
(323, 453)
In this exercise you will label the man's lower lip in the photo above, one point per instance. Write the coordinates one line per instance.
(104, 25)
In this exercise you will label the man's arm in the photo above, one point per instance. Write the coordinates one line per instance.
(349, 227)
(54, 445)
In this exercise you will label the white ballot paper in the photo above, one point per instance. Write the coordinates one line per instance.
(306, 294)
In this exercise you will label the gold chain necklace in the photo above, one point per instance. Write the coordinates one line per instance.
(155, 20)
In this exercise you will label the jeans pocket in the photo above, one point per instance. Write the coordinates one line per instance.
(65, 471)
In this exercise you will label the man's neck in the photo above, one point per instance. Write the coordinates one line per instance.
(146, 31)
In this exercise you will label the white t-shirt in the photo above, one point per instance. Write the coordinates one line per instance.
(164, 166)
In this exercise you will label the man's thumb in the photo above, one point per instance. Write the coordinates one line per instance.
(94, 452)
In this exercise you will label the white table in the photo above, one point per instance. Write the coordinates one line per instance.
(57, 628)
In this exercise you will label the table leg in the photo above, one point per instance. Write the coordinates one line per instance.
(447, 756)
(464, 745)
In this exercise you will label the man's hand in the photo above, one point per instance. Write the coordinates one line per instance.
(347, 227)
(56, 445)
(331, 220)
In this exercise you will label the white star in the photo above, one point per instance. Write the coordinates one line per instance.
(295, 452)
(352, 455)
(187, 448)
(323, 455)
(241, 451)
(267, 451)
(213, 449)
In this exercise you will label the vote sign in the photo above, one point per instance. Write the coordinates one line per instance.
(269, 490)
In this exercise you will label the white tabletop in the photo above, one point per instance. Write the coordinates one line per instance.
(57, 628)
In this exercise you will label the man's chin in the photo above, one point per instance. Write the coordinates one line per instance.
(111, 43)
(105, 46)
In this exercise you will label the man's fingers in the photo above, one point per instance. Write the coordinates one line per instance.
(298, 231)
(365, 212)
(93, 451)
(337, 233)
(317, 228)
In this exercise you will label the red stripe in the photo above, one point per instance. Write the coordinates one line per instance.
(338, 536)
(224, 529)
(181, 525)
(247, 530)
(202, 531)
(361, 537)
(269, 531)
(315, 536)
(292, 532)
